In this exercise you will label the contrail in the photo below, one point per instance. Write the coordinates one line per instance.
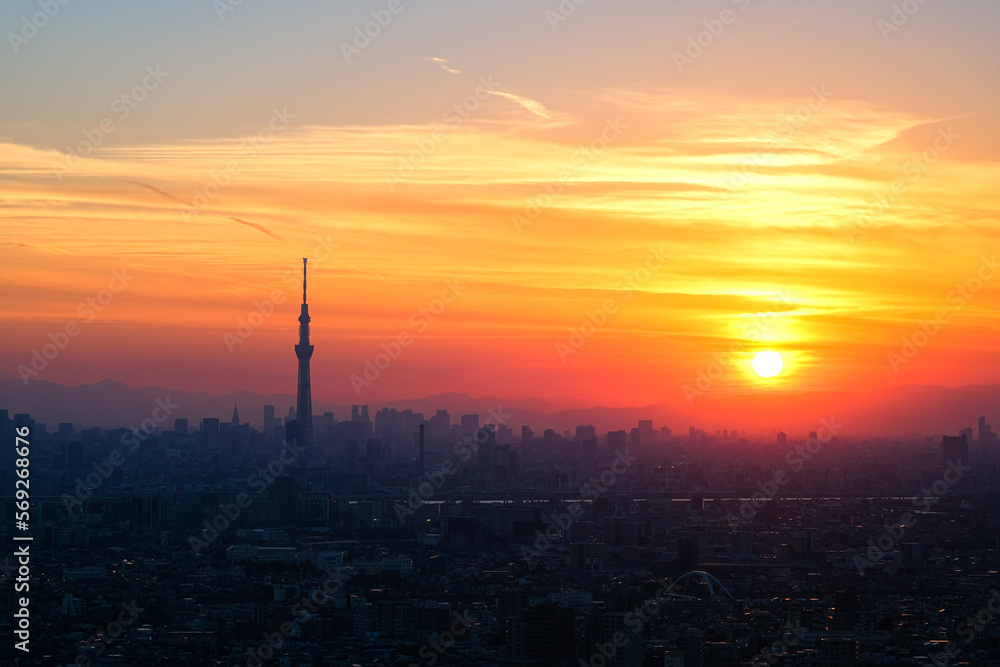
(259, 228)
(156, 190)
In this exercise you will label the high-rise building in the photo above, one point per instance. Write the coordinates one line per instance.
(470, 424)
(486, 439)
(984, 430)
(646, 432)
(439, 425)
(627, 651)
(616, 440)
(74, 455)
(549, 634)
(954, 449)
(687, 553)
(210, 430)
(268, 419)
(304, 351)
(420, 459)
(236, 416)
(586, 438)
(329, 423)
(836, 651)
(586, 555)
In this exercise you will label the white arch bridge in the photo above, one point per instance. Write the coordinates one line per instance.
(692, 586)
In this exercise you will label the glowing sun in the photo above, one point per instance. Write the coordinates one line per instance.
(767, 364)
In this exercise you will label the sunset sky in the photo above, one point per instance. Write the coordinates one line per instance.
(748, 167)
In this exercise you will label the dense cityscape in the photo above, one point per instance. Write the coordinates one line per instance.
(456, 541)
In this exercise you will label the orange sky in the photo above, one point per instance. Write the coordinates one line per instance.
(755, 208)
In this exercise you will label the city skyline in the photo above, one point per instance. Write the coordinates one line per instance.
(714, 412)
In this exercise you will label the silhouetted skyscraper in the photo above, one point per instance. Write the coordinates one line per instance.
(236, 416)
(74, 455)
(421, 448)
(470, 424)
(210, 430)
(486, 438)
(268, 419)
(304, 352)
(954, 448)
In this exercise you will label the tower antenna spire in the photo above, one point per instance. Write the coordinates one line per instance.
(304, 352)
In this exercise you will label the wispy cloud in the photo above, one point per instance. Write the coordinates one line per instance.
(659, 181)
(443, 64)
(534, 106)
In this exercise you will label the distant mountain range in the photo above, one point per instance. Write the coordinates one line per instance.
(894, 412)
